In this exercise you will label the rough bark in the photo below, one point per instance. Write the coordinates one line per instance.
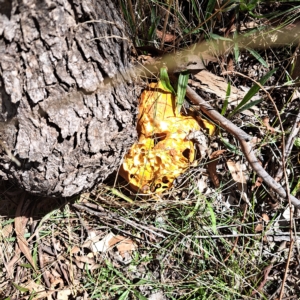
(67, 126)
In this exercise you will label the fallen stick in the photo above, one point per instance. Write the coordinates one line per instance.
(289, 145)
(243, 139)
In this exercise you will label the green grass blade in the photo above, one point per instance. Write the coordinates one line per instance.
(252, 92)
(20, 288)
(218, 37)
(297, 142)
(225, 105)
(119, 194)
(194, 6)
(139, 295)
(209, 8)
(154, 22)
(212, 217)
(165, 81)
(125, 295)
(250, 104)
(181, 89)
(231, 147)
(258, 57)
(236, 49)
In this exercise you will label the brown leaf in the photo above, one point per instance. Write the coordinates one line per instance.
(20, 225)
(266, 121)
(75, 250)
(7, 230)
(64, 294)
(147, 59)
(212, 167)
(259, 227)
(85, 260)
(217, 85)
(258, 182)
(38, 289)
(168, 37)
(265, 217)
(236, 171)
(230, 65)
(123, 244)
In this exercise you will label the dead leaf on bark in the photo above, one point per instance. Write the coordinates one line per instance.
(168, 37)
(212, 167)
(147, 59)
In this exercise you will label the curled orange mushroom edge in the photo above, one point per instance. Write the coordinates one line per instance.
(162, 152)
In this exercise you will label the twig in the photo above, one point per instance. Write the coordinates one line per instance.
(243, 139)
(64, 273)
(103, 215)
(286, 268)
(165, 24)
(237, 238)
(267, 270)
(289, 144)
(288, 196)
(41, 260)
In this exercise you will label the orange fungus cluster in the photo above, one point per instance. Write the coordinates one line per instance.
(162, 152)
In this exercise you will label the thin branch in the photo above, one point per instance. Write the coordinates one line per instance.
(243, 139)
(289, 144)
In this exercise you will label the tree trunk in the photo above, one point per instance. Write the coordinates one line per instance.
(66, 124)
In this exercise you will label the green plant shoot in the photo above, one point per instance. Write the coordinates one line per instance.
(165, 81)
(181, 87)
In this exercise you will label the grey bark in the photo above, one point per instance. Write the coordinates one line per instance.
(59, 116)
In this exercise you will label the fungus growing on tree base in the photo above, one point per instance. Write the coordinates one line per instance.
(162, 152)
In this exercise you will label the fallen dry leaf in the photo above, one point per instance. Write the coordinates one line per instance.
(168, 37)
(20, 225)
(239, 177)
(257, 183)
(38, 289)
(75, 250)
(259, 227)
(266, 122)
(236, 171)
(265, 217)
(123, 244)
(7, 230)
(85, 259)
(212, 167)
(230, 64)
(217, 85)
(103, 245)
(63, 294)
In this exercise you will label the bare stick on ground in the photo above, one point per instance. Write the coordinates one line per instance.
(243, 139)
